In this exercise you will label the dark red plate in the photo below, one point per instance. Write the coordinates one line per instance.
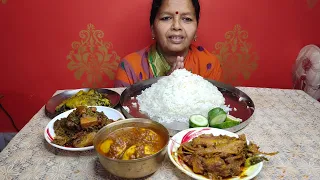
(233, 97)
(50, 108)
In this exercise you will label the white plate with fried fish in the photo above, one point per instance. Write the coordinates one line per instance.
(207, 153)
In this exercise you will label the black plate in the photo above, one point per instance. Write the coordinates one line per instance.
(51, 105)
(233, 96)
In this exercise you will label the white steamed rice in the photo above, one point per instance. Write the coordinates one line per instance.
(178, 96)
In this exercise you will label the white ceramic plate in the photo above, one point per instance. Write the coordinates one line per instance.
(188, 135)
(49, 131)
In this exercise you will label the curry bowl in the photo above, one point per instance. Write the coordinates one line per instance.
(127, 155)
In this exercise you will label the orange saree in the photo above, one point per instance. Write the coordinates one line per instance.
(145, 64)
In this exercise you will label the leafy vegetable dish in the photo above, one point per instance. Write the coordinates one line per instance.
(218, 157)
(82, 98)
(79, 128)
(131, 143)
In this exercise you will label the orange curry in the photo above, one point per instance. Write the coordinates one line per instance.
(131, 143)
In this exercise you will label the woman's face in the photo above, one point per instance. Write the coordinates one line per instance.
(175, 26)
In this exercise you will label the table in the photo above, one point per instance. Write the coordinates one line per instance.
(284, 120)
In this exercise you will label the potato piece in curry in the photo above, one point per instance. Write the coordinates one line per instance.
(131, 143)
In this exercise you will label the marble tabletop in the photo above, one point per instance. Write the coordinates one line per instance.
(284, 120)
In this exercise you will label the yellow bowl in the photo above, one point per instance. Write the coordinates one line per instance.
(134, 168)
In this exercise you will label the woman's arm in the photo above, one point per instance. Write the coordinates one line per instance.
(122, 78)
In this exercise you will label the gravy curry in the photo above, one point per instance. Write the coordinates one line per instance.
(131, 143)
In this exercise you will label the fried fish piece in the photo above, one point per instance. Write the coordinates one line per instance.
(82, 98)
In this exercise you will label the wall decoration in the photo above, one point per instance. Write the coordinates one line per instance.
(91, 58)
(312, 3)
(236, 56)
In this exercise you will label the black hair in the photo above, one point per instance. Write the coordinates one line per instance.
(156, 4)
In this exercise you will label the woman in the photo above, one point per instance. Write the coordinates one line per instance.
(174, 25)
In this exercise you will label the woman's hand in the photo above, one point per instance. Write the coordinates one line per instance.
(177, 65)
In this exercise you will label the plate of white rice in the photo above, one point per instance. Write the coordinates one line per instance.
(172, 99)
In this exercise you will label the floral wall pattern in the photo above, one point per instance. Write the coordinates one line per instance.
(236, 55)
(92, 58)
(312, 3)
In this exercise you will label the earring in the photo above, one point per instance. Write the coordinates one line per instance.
(195, 38)
(153, 38)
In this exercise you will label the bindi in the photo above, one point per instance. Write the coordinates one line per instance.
(177, 12)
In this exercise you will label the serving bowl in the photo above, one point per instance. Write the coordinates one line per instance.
(133, 168)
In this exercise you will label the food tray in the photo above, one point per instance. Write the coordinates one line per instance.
(51, 105)
(233, 97)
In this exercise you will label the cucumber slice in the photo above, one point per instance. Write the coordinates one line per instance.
(218, 120)
(232, 118)
(198, 120)
(228, 123)
(216, 116)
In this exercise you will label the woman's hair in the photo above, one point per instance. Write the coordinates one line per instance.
(156, 4)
